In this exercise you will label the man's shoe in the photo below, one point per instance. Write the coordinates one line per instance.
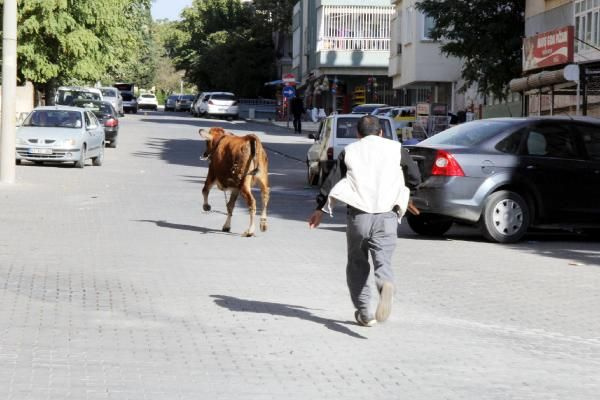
(384, 308)
(361, 321)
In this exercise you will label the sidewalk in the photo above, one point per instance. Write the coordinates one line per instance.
(307, 126)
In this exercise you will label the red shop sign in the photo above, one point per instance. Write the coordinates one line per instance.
(548, 49)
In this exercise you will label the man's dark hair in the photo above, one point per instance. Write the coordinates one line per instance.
(368, 125)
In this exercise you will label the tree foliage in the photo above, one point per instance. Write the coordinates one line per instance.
(224, 45)
(80, 41)
(485, 34)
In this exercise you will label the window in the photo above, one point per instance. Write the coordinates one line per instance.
(470, 134)
(554, 141)
(511, 144)
(428, 25)
(591, 140)
(365, 28)
(587, 24)
(407, 36)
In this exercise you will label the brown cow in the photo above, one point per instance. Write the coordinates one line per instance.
(235, 164)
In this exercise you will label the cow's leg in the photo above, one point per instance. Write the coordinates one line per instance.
(246, 191)
(210, 181)
(263, 183)
(230, 206)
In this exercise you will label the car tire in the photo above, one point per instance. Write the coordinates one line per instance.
(99, 159)
(505, 217)
(135, 110)
(81, 162)
(429, 224)
(18, 162)
(113, 143)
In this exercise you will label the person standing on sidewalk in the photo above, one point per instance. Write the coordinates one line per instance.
(369, 176)
(297, 109)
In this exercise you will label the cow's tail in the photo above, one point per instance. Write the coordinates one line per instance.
(254, 148)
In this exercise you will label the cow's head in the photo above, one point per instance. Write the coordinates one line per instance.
(213, 136)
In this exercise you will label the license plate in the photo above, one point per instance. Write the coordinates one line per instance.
(40, 151)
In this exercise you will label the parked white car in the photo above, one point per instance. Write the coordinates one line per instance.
(219, 103)
(336, 132)
(147, 100)
(113, 96)
(60, 134)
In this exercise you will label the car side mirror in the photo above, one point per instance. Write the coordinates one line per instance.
(312, 136)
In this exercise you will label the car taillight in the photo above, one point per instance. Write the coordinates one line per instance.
(211, 103)
(111, 122)
(330, 153)
(446, 165)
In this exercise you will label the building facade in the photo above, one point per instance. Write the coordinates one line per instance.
(418, 68)
(341, 53)
(561, 58)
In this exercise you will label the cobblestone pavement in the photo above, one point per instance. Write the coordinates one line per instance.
(114, 284)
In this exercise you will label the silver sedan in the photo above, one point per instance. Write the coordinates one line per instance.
(61, 134)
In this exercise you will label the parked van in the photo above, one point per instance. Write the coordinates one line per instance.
(66, 95)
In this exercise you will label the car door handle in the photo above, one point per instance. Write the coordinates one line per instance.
(531, 167)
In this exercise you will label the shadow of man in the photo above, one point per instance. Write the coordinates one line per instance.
(284, 310)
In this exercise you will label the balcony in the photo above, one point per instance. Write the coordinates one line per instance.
(354, 36)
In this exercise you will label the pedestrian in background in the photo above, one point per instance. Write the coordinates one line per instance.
(297, 109)
(369, 176)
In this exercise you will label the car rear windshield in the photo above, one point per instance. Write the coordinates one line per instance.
(109, 92)
(222, 97)
(347, 128)
(127, 96)
(148, 96)
(468, 134)
(66, 97)
(54, 118)
(187, 97)
(99, 109)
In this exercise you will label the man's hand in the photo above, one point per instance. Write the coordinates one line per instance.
(413, 209)
(315, 219)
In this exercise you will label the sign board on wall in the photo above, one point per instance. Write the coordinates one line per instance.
(548, 49)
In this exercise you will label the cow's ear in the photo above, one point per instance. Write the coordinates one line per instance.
(205, 134)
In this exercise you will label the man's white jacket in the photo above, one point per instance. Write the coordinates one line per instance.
(374, 181)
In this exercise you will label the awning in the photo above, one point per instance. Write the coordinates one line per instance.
(278, 82)
(539, 80)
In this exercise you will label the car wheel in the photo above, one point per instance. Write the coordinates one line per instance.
(505, 217)
(99, 159)
(135, 110)
(428, 224)
(113, 143)
(18, 162)
(81, 162)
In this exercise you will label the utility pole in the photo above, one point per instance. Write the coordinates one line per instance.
(9, 92)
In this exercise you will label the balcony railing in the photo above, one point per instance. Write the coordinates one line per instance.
(348, 28)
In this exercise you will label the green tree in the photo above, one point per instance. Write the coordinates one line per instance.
(486, 34)
(224, 45)
(80, 41)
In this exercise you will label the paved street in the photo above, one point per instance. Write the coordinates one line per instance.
(114, 284)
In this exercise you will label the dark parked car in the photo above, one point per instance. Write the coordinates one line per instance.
(129, 102)
(510, 174)
(171, 102)
(184, 102)
(107, 116)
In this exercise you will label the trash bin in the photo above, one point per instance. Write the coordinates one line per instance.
(251, 113)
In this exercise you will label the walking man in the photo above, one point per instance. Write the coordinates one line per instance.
(369, 176)
(297, 108)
